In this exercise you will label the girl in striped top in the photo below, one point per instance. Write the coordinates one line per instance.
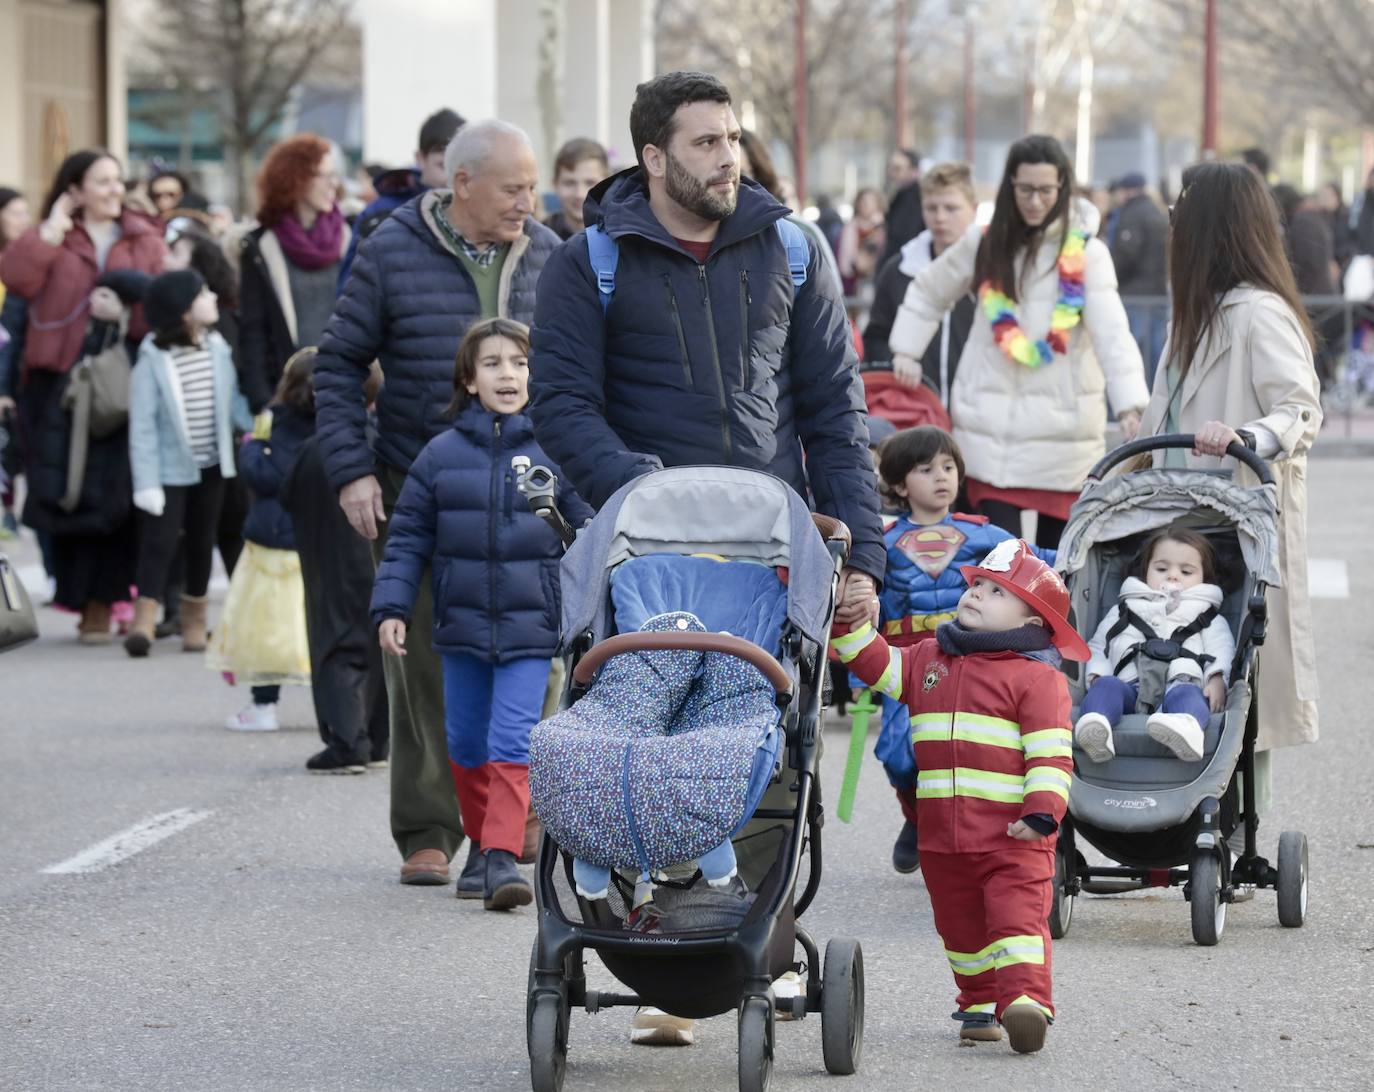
(183, 404)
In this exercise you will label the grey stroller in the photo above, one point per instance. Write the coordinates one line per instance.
(703, 963)
(1168, 821)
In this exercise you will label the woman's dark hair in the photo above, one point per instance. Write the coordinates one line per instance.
(296, 388)
(1009, 234)
(209, 260)
(904, 451)
(73, 173)
(1288, 200)
(176, 176)
(761, 168)
(465, 363)
(1186, 538)
(653, 114)
(575, 151)
(1224, 232)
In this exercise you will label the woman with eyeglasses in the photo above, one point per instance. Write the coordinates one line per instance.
(1238, 366)
(1050, 344)
(290, 263)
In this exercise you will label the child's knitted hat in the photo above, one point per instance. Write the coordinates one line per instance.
(170, 296)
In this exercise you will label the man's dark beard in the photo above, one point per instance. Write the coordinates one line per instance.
(695, 196)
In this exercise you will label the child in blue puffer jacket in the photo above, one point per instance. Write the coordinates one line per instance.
(920, 470)
(496, 597)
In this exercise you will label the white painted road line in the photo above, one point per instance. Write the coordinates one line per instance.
(121, 846)
(1327, 578)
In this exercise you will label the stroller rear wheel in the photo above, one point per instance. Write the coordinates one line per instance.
(548, 1043)
(1292, 878)
(755, 1045)
(1204, 897)
(842, 1006)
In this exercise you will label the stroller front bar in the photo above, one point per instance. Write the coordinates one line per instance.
(1242, 453)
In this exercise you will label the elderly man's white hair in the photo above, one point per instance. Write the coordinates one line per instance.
(472, 143)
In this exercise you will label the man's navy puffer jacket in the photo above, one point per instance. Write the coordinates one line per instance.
(721, 363)
(495, 563)
(407, 303)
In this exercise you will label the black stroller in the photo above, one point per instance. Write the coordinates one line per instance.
(705, 964)
(1168, 821)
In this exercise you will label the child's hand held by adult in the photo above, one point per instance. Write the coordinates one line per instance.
(391, 634)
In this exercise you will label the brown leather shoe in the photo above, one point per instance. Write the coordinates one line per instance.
(426, 868)
(533, 832)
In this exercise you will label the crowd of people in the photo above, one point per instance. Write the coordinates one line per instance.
(332, 403)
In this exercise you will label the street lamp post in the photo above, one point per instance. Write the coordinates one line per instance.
(799, 101)
(1209, 82)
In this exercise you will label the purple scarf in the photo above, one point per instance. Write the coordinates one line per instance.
(314, 249)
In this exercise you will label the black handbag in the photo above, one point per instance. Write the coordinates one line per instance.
(18, 623)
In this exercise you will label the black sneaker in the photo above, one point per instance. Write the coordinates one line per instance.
(326, 762)
(905, 856)
(505, 888)
(472, 881)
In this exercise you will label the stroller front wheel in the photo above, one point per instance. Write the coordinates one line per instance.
(842, 1006)
(755, 1045)
(1204, 897)
(1292, 878)
(1061, 906)
(548, 1043)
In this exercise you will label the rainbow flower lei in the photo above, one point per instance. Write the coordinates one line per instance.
(1068, 310)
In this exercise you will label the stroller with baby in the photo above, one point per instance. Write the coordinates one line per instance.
(1168, 821)
(760, 572)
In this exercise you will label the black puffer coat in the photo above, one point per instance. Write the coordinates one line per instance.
(721, 363)
(407, 303)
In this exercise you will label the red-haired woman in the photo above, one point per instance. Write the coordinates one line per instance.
(290, 266)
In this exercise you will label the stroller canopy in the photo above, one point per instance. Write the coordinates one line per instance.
(736, 513)
(1149, 499)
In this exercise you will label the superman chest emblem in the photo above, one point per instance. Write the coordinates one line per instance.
(931, 549)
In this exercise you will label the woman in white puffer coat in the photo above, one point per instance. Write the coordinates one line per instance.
(1050, 343)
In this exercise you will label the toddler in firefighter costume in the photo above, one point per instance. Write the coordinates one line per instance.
(990, 728)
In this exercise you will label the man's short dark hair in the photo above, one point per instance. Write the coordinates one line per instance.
(656, 103)
(438, 130)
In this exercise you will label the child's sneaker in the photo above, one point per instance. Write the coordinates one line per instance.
(977, 1027)
(1093, 733)
(1179, 732)
(654, 1027)
(785, 989)
(1026, 1025)
(254, 718)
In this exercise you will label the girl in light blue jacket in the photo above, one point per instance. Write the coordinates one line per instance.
(184, 402)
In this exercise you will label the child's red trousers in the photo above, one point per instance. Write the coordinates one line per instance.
(990, 911)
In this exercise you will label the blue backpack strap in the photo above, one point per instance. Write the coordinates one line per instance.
(798, 251)
(604, 255)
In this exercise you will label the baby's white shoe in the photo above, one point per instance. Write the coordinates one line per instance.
(1093, 733)
(1179, 732)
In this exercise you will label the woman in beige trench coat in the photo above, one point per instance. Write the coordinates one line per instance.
(1238, 365)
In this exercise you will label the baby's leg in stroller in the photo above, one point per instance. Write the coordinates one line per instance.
(718, 865)
(1106, 702)
(593, 881)
(1179, 722)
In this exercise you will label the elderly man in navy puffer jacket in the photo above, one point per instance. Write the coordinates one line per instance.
(435, 266)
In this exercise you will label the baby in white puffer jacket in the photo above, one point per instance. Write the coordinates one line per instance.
(1176, 601)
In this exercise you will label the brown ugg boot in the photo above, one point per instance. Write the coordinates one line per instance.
(140, 639)
(95, 624)
(193, 610)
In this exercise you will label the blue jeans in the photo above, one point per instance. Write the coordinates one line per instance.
(1115, 699)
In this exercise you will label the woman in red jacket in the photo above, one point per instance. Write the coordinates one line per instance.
(86, 231)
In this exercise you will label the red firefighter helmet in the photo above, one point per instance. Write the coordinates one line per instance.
(1012, 566)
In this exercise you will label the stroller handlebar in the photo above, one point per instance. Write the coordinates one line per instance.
(643, 641)
(1242, 453)
(539, 487)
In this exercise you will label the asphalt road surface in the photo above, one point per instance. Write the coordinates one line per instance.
(246, 930)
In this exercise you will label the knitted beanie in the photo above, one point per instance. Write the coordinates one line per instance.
(170, 296)
(128, 284)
